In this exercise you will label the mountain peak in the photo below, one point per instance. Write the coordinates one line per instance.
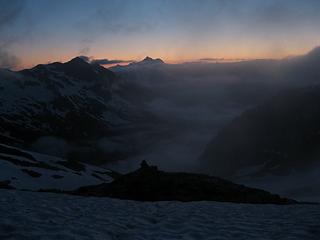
(76, 61)
(80, 69)
(149, 60)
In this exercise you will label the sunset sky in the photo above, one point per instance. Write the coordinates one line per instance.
(41, 31)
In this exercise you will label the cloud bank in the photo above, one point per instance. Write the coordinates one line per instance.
(103, 61)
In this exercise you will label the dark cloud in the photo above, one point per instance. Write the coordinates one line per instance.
(221, 59)
(103, 61)
(107, 61)
(211, 59)
(8, 60)
(10, 11)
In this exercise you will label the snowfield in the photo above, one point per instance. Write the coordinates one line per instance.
(31, 215)
(28, 170)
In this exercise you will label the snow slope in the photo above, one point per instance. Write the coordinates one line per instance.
(300, 185)
(34, 171)
(26, 215)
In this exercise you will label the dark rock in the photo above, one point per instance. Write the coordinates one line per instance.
(6, 185)
(73, 165)
(110, 173)
(23, 163)
(57, 176)
(150, 184)
(97, 177)
(31, 173)
(13, 151)
(144, 164)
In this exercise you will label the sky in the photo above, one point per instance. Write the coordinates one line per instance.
(42, 31)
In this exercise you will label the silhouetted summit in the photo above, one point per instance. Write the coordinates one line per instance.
(148, 60)
(77, 61)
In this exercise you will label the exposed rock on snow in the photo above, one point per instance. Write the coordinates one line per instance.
(27, 170)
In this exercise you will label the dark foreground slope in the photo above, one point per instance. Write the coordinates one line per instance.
(31, 215)
(150, 184)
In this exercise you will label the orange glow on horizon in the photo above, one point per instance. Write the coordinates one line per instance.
(223, 55)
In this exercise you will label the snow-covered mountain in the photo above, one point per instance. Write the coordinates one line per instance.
(77, 103)
(72, 100)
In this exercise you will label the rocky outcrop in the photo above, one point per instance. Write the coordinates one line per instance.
(149, 184)
(6, 185)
